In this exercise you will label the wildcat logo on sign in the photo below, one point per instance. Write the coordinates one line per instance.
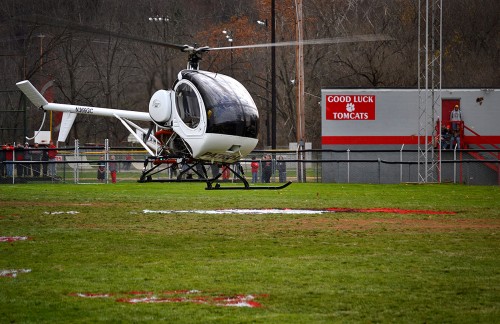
(350, 107)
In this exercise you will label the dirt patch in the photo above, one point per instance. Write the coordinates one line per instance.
(397, 224)
(391, 210)
(56, 204)
(341, 219)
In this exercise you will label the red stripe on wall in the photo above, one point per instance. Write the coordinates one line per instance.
(398, 140)
(369, 140)
(484, 140)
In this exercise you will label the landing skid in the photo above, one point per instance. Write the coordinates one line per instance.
(246, 186)
(212, 184)
(198, 170)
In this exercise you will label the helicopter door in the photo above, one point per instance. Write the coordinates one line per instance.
(190, 119)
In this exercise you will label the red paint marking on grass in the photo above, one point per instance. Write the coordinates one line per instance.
(390, 210)
(70, 212)
(13, 273)
(179, 296)
(90, 295)
(13, 238)
(235, 301)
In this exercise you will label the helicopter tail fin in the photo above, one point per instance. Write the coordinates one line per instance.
(32, 93)
(39, 101)
(66, 123)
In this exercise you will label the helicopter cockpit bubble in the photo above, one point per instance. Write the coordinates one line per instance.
(160, 107)
(215, 115)
(230, 110)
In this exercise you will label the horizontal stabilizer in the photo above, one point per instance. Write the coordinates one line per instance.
(32, 93)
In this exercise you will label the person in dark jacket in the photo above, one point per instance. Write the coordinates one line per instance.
(267, 168)
(281, 165)
(36, 156)
(27, 157)
(19, 154)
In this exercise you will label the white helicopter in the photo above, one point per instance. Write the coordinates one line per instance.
(205, 118)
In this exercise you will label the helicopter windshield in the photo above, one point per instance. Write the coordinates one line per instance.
(230, 108)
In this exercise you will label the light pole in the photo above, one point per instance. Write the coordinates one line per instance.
(162, 20)
(273, 72)
(229, 36)
(166, 73)
(264, 23)
(159, 19)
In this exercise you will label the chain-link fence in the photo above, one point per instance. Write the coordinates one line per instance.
(87, 164)
(474, 167)
(103, 164)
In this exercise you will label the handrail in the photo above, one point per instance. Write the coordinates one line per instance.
(475, 133)
(478, 156)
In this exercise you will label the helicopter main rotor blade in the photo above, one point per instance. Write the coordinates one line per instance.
(59, 23)
(320, 41)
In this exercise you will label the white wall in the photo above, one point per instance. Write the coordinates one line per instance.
(397, 112)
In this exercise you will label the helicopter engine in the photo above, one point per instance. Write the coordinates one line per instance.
(160, 107)
(213, 114)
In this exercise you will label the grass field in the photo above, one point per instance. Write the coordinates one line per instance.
(93, 254)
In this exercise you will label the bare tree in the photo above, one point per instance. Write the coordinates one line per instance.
(95, 69)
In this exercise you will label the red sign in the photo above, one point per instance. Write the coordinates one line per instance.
(350, 107)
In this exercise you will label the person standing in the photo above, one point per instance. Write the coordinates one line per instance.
(27, 157)
(456, 126)
(36, 157)
(101, 170)
(456, 118)
(173, 170)
(112, 169)
(254, 165)
(127, 164)
(2, 159)
(45, 159)
(238, 170)
(214, 167)
(9, 156)
(281, 169)
(19, 154)
(52, 153)
(225, 173)
(267, 168)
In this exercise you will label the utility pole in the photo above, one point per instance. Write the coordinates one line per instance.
(299, 57)
(299, 65)
(273, 75)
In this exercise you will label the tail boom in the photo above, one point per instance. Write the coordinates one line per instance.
(39, 101)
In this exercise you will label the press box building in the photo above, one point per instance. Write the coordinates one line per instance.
(372, 124)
